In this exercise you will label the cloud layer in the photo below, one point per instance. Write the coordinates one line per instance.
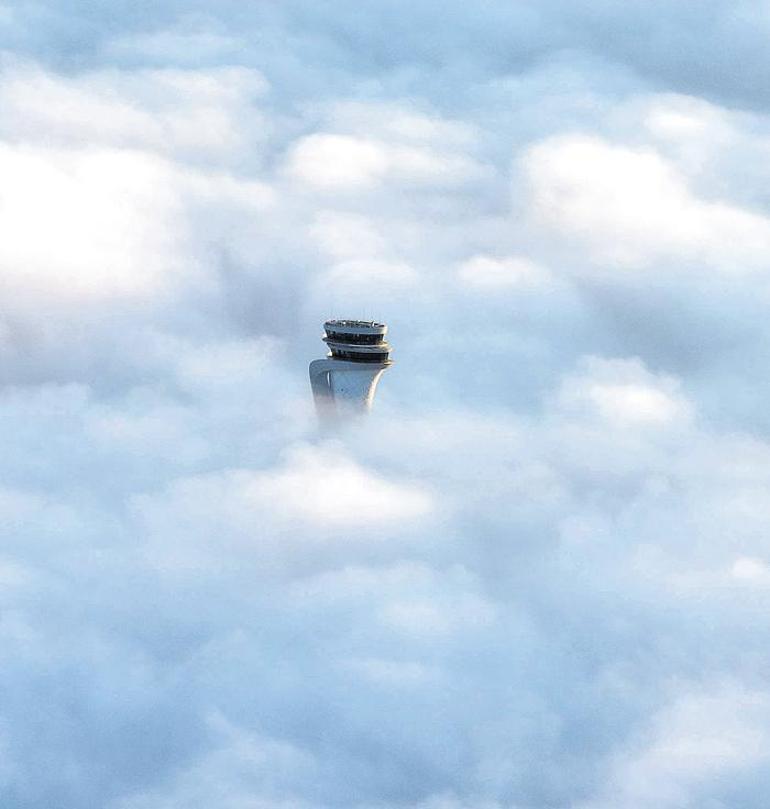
(539, 574)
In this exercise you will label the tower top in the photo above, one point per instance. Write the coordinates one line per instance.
(353, 327)
(357, 341)
(344, 381)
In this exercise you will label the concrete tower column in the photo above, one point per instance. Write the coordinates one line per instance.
(344, 383)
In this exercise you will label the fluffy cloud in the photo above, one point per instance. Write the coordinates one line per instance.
(630, 207)
(539, 574)
(487, 272)
(698, 741)
(342, 161)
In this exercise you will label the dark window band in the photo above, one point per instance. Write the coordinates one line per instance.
(354, 356)
(356, 339)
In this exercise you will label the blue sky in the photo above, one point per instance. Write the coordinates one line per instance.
(539, 574)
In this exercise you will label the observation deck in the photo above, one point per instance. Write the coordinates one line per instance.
(357, 341)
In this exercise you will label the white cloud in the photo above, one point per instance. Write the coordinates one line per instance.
(629, 207)
(624, 393)
(751, 571)
(428, 618)
(488, 272)
(377, 276)
(537, 574)
(698, 740)
(88, 225)
(629, 402)
(327, 490)
(337, 161)
(317, 498)
(192, 39)
(398, 673)
(384, 144)
(189, 113)
(347, 236)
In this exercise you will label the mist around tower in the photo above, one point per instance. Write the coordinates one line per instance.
(525, 566)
